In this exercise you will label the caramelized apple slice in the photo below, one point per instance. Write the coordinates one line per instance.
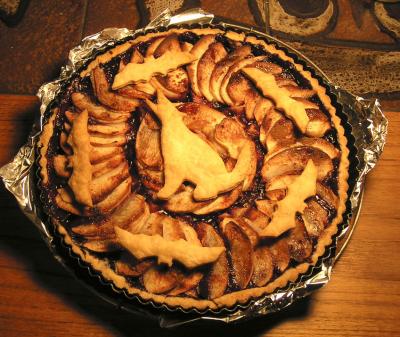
(170, 43)
(238, 89)
(106, 166)
(137, 225)
(65, 201)
(97, 112)
(319, 123)
(230, 134)
(148, 146)
(315, 218)
(152, 179)
(241, 252)
(183, 201)
(263, 266)
(154, 224)
(174, 85)
(102, 246)
(321, 144)
(300, 246)
(281, 134)
(109, 130)
(102, 186)
(293, 161)
(186, 282)
(127, 265)
(215, 53)
(328, 196)
(106, 96)
(158, 280)
(99, 140)
(176, 81)
(233, 70)
(280, 254)
(171, 229)
(222, 68)
(266, 206)
(250, 104)
(256, 219)
(153, 46)
(99, 154)
(216, 281)
(123, 216)
(245, 226)
(115, 197)
(202, 120)
(268, 67)
(222, 202)
(197, 51)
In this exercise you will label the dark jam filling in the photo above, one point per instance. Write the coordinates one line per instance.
(257, 190)
(188, 37)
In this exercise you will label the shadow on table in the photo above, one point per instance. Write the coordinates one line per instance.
(20, 240)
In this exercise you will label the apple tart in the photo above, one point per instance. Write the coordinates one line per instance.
(196, 168)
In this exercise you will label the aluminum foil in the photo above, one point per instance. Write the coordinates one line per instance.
(369, 128)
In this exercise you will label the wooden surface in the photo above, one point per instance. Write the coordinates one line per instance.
(39, 298)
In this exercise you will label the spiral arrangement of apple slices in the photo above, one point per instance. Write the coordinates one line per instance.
(215, 116)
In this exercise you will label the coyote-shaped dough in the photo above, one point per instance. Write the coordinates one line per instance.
(187, 157)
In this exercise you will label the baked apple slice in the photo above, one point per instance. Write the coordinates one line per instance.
(293, 161)
(222, 68)
(100, 154)
(214, 284)
(106, 166)
(300, 245)
(97, 112)
(241, 252)
(174, 85)
(186, 282)
(159, 280)
(235, 68)
(101, 186)
(315, 218)
(198, 51)
(109, 130)
(154, 45)
(123, 216)
(115, 198)
(215, 53)
(148, 146)
(101, 140)
(170, 43)
(108, 97)
(263, 266)
(127, 265)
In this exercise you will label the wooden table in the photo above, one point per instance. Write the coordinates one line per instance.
(39, 298)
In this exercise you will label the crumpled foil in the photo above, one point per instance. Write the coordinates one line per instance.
(369, 128)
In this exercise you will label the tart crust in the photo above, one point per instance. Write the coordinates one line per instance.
(241, 296)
